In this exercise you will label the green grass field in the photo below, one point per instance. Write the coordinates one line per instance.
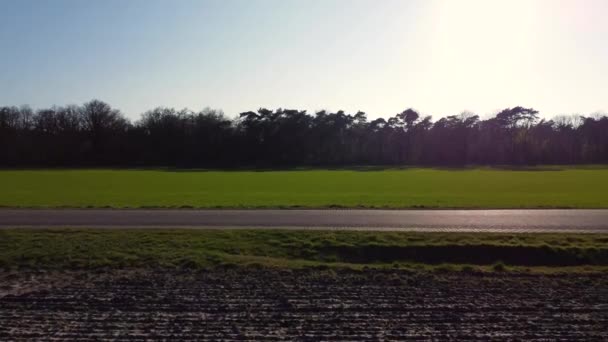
(396, 188)
(133, 248)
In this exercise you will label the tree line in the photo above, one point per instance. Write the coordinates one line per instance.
(95, 134)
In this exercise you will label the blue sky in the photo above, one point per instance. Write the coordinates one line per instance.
(440, 57)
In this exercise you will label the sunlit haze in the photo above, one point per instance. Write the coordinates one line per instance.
(439, 57)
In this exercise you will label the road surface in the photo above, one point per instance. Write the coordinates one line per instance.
(554, 220)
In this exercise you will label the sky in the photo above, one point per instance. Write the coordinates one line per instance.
(440, 57)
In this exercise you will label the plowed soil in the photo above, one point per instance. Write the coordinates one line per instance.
(261, 304)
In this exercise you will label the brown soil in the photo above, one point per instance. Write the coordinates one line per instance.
(250, 304)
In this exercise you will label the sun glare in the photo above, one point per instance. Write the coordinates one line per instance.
(476, 44)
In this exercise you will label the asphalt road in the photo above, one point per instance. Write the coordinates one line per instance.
(554, 220)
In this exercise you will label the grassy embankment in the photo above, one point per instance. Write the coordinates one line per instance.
(195, 249)
(547, 187)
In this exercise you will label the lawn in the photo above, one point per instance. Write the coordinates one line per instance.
(389, 188)
(94, 248)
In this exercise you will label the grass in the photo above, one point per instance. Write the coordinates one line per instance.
(584, 187)
(192, 249)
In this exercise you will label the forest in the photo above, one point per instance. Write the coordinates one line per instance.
(95, 134)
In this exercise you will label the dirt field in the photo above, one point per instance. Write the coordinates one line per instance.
(239, 304)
